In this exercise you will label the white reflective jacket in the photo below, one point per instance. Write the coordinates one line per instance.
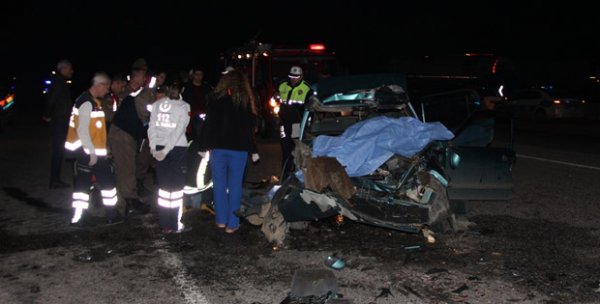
(168, 122)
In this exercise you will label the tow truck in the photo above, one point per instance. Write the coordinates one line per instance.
(267, 65)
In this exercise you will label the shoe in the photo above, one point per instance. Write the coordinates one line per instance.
(220, 226)
(58, 185)
(231, 230)
(81, 224)
(168, 230)
(135, 206)
(115, 221)
(184, 229)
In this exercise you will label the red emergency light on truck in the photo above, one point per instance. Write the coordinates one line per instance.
(268, 65)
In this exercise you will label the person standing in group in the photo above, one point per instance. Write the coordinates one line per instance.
(111, 101)
(195, 92)
(125, 135)
(87, 138)
(293, 94)
(228, 135)
(57, 111)
(168, 144)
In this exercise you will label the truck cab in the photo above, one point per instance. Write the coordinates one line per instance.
(267, 65)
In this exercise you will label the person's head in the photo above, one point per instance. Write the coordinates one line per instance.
(197, 75)
(140, 63)
(236, 84)
(161, 77)
(137, 79)
(100, 85)
(65, 68)
(118, 84)
(295, 74)
(173, 90)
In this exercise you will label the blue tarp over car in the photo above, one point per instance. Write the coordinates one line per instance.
(368, 144)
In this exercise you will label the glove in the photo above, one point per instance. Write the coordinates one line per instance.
(160, 155)
(255, 158)
(202, 154)
(93, 159)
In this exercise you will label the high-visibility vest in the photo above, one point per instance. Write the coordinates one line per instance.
(97, 126)
(293, 95)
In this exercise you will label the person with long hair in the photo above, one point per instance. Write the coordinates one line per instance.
(228, 135)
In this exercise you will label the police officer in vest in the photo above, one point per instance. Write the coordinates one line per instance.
(292, 94)
(87, 138)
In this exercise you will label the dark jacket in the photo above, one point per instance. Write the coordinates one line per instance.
(127, 119)
(58, 100)
(227, 126)
(196, 96)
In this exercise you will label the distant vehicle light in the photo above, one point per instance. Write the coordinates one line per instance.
(316, 47)
(556, 101)
(48, 82)
(583, 101)
(7, 102)
(273, 102)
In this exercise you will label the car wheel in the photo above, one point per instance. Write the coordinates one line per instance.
(441, 217)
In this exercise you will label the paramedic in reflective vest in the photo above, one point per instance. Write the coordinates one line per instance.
(87, 138)
(292, 94)
(169, 119)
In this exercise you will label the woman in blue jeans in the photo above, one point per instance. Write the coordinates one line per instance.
(228, 134)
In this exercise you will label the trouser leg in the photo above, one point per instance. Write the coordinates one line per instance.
(171, 180)
(81, 187)
(235, 179)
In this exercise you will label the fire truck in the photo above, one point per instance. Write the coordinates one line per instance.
(267, 65)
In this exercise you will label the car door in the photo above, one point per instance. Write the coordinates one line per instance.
(478, 161)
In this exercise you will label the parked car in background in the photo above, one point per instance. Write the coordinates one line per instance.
(366, 154)
(546, 103)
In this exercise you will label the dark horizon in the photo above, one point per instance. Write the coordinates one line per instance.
(176, 36)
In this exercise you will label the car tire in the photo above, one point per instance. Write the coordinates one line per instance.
(441, 217)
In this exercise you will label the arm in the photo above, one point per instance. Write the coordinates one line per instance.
(83, 129)
(152, 127)
(142, 101)
(183, 119)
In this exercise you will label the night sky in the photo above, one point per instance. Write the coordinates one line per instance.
(366, 35)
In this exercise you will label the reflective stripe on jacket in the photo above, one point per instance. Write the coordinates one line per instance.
(97, 126)
(293, 95)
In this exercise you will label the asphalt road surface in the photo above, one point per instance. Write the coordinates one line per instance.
(541, 247)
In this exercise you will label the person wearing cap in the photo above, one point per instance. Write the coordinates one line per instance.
(293, 94)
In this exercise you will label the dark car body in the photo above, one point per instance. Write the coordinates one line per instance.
(408, 191)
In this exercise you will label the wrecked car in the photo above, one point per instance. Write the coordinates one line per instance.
(366, 153)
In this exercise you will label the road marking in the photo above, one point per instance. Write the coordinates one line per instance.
(559, 162)
(191, 292)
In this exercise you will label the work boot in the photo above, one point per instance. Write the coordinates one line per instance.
(135, 206)
(113, 216)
